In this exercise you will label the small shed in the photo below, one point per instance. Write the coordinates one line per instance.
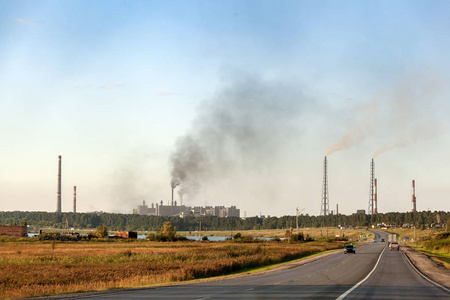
(13, 230)
(126, 234)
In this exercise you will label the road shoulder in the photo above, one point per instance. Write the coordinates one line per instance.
(427, 266)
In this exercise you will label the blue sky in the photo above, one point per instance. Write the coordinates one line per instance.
(112, 85)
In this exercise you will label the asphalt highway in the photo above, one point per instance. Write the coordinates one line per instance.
(338, 276)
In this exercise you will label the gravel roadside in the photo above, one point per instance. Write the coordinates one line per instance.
(427, 266)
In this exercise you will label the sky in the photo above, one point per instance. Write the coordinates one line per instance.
(237, 101)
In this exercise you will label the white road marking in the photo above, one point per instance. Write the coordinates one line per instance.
(250, 289)
(204, 298)
(359, 283)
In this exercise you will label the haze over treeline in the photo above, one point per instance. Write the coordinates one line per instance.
(140, 222)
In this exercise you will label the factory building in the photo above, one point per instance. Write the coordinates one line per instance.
(144, 209)
(159, 209)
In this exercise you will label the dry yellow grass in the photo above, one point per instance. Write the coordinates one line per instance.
(425, 241)
(38, 268)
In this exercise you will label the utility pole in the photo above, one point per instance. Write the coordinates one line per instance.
(298, 213)
(200, 236)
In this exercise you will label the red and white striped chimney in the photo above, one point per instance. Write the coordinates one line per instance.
(58, 193)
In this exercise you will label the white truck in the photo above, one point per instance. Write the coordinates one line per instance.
(393, 245)
(392, 238)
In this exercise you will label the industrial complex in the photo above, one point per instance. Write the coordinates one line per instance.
(159, 209)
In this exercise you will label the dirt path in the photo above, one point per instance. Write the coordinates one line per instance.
(434, 270)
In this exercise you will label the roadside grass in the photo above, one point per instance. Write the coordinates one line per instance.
(418, 233)
(33, 268)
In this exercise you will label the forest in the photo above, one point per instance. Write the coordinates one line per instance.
(134, 222)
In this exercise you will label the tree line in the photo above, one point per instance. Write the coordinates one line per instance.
(132, 222)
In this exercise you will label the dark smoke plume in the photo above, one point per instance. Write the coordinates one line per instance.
(242, 127)
(174, 183)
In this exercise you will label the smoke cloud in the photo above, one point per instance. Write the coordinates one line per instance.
(409, 115)
(359, 130)
(241, 128)
(355, 134)
(174, 183)
(397, 118)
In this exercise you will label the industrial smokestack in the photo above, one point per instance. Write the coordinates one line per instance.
(172, 197)
(58, 193)
(413, 204)
(371, 209)
(337, 210)
(375, 209)
(74, 199)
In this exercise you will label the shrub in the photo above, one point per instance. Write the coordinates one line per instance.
(167, 231)
(443, 235)
(297, 237)
(101, 232)
(50, 236)
(166, 234)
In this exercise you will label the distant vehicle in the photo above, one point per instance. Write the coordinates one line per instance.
(349, 249)
(392, 238)
(394, 246)
(375, 240)
(382, 240)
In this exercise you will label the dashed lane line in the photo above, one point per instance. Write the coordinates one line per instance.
(359, 283)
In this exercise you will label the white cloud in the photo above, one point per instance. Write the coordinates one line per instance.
(23, 21)
(162, 94)
(105, 86)
(111, 85)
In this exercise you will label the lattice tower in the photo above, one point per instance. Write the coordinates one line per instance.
(325, 203)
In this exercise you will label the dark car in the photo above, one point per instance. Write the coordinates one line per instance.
(349, 249)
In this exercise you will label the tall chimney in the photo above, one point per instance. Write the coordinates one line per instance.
(371, 209)
(337, 210)
(375, 208)
(58, 193)
(413, 202)
(172, 197)
(74, 199)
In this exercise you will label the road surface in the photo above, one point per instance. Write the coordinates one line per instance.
(339, 276)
